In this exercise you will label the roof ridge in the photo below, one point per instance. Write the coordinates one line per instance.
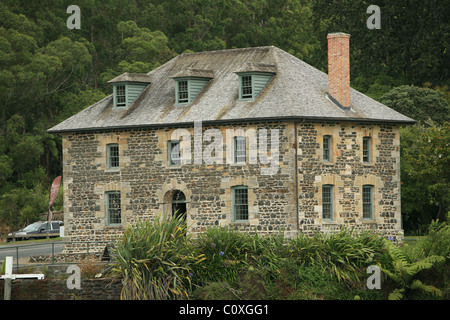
(228, 50)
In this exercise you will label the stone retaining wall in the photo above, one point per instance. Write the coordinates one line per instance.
(55, 289)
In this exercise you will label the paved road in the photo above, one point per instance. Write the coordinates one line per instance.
(26, 250)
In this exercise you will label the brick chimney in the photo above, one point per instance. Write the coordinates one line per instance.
(339, 68)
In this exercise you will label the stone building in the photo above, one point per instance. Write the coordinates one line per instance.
(251, 138)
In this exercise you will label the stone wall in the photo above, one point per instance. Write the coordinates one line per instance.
(347, 173)
(55, 289)
(288, 201)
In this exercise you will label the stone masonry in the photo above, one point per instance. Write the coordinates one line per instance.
(288, 201)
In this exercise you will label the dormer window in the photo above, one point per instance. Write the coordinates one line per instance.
(252, 83)
(120, 96)
(183, 92)
(189, 83)
(127, 87)
(246, 87)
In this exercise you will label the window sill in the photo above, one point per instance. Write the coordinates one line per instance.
(238, 164)
(240, 223)
(368, 164)
(368, 221)
(114, 226)
(179, 166)
(329, 222)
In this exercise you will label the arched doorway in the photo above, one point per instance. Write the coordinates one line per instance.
(179, 204)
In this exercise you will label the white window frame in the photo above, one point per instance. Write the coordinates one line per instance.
(118, 89)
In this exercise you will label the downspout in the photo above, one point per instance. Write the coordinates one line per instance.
(296, 177)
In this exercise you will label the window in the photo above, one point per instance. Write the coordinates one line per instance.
(367, 195)
(183, 92)
(113, 156)
(240, 203)
(252, 83)
(113, 208)
(174, 153)
(120, 96)
(246, 87)
(239, 149)
(327, 148)
(366, 149)
(327, 202)
(55, 225)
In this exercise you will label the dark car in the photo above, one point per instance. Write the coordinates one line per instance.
(37, 230)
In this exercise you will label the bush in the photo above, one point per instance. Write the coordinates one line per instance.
(224, 254)
(437, 243)
(405, 274)
(155, 260)
(344, 254)
(229, 252)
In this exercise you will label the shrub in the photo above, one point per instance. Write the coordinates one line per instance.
(437, 242)
(90, 267)
(155, 260)
(344, 254)
(215, 291)
(229, 252)
(224, 254)
(405, 271)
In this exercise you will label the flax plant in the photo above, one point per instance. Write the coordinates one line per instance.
(154, 260)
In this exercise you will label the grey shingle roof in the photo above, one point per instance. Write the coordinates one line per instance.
(297, 91)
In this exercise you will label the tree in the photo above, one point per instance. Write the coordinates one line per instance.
(429, 164)
(425, 105)
(141, 50)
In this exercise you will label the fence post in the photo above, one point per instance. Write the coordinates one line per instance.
(53, 253)
(17, 257)
(7, 278)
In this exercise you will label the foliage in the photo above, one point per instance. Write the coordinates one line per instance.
(404, 273)
(425, 165)
(437, 242)
(343, 254)
(425, 105)
(90, 267)
(155, 260)
(224, 253)
(283, 268)
(49, 72)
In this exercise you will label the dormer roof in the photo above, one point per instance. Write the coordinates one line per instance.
(131, 77)
(257, 67)
(194, 73)
(297, 91)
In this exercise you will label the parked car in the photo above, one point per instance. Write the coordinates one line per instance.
(37, 230)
